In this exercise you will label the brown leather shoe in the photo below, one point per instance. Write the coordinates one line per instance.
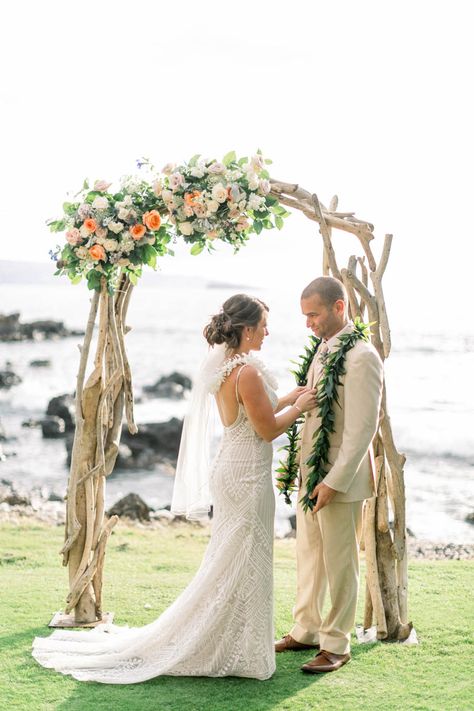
(325, 662)
(288, 644)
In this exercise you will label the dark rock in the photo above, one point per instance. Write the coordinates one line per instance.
(12, 330)
(40, 363)
(3, 434)
(170, 391)
(470, 518)
(292, 520)
(54, 496)
(171, 386)
(154, 443)
(131, 506)
(11, 496)
(9, 327)
(63, 406)
(8, 379)
(162, 438)
(53, 427)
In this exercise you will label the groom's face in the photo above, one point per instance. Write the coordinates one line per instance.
(324, 320)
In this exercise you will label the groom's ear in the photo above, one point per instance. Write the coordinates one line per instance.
(339, 306)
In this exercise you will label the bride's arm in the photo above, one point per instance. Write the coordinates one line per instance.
(259, 409)
(291, 397)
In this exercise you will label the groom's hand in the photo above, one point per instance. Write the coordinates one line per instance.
(324, 495)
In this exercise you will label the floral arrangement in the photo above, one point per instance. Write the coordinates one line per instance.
(207, 200)
(108, 233)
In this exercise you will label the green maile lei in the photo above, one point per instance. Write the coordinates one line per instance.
(332, 371)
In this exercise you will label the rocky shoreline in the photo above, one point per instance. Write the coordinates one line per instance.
(48, 507)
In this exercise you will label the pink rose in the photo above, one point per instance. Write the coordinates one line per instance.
(101, 186)
(73, 236)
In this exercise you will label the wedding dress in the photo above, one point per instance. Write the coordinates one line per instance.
(222, 623)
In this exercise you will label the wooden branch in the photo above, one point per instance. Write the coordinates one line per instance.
(396, 463)
(370, 302)
(88, 574)
(354, 308)
(85, 353)
(89, 530)
(382, 504)
(402, 578)
(323, 228)
(376, 277)
(368, 608)
(372, 576)
(362, 230)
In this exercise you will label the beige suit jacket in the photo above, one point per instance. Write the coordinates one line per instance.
(351, 469)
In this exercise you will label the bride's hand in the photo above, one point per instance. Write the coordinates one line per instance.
(306, 401)
(292, 396)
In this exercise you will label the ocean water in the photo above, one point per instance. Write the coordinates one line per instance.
(429, 381)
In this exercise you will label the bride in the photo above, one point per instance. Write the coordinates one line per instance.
(222, 623)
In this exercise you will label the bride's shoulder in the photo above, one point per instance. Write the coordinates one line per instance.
(223, 372)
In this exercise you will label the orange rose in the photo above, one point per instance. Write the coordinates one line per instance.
(137, 231)
(152, 220)
(90, 225)
(97, 252)
(190, 198)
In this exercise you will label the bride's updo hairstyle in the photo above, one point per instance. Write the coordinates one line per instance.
(237, 312)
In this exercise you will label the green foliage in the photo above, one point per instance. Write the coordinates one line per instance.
(197, 248)
(289, 469)
(229, 158)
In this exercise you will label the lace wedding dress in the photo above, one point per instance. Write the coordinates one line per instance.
(222, 624)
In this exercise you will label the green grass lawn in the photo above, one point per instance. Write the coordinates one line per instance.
(149, 567)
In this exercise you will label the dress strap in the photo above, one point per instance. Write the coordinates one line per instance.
(237, 382)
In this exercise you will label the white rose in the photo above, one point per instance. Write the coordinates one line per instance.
(124, 213)
(197, 171)
(99, 240)
(176, 180)
(185, 228)
(219, 193)
(100, 203)
(212, 205)
(187, 210)
(253, 181)
(255, 202)
(234, 213)
(167, 195)
(127, 201)
(110, 245)
(264, 186)
(216, 168)
(157, 187)
(84, 231)
(115, 227)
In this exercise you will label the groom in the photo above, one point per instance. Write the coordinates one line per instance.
(327, 539)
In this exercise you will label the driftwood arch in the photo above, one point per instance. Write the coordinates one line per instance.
(102, 399)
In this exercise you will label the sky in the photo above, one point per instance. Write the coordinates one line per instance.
(369, 100)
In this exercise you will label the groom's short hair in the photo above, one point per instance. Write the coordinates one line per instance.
(328, 289)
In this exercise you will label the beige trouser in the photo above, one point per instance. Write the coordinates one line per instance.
(327, 554)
